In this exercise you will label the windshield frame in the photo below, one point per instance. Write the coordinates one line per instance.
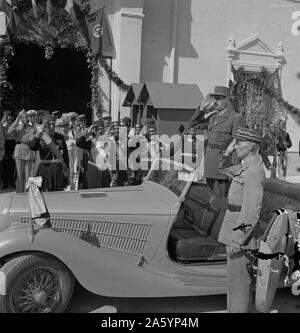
(187, 186)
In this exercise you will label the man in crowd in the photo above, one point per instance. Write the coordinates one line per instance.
(284, 143)
(223, 123)
(75, 153)
(98, 171)
(23, 132)
(106, 117)
(54, 160)
(82, 128)
(32, 115)
(8, 167)
(244, 205)
(268, 151)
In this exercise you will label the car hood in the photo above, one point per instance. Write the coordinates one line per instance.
(148, 199)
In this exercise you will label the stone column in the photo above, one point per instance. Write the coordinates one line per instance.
(231, 53)
(127, 30)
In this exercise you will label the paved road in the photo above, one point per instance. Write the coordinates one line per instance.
(84, 302)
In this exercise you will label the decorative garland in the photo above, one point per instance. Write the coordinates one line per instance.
(7, 52)
(112, 75)
(97, 94)
(263, 81)
(68, 36)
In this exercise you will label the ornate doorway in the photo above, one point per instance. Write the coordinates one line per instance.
(60, 83)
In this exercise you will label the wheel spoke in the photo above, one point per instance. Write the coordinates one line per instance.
(26, 297)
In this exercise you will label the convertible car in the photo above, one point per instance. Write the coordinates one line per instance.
(154, 240)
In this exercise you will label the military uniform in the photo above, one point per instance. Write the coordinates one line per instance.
(244, 205)
(221, 132)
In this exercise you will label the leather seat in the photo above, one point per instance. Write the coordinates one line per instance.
(189, 245)
(194, 236)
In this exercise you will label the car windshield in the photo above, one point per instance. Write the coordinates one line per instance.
(175, 179)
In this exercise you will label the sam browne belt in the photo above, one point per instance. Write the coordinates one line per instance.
(234, 208)
(217, 146)
(50, 161)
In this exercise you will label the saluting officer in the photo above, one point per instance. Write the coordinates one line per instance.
(222, 123)
(244, 205)
(222, 128)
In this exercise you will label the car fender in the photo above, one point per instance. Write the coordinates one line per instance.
(101, 271)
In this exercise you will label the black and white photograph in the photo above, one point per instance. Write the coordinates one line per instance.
(149, 159)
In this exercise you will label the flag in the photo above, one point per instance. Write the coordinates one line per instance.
(3, 23)
(100, 36)
(49, 11)
(35, 9)
(47, 22)
(37, 208)
(13, 19)
(69, 7)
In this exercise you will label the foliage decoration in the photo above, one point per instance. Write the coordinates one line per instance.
(6, 53)
(258, 96)
(51, 32)
(112, 75)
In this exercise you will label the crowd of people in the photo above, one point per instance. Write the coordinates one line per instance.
(65, 151)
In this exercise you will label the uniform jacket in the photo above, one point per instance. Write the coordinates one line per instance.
(221, 132)
(246, 190)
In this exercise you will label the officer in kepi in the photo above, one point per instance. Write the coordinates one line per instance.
(217, 113)
(240, 229)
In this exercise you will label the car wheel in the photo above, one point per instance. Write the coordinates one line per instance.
(35, 284)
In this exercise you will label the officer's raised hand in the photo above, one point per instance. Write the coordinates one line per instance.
(231, 148)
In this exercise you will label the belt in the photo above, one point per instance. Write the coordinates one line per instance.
(234, 208)
(92, 163)
(217, 146)
(50, 161)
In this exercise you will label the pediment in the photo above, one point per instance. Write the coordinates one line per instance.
(254, 44)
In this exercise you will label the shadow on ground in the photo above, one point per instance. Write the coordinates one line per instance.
(84, 302)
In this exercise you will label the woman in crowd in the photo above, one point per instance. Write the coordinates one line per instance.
(23, 133)
(98, 172)
(54, 161)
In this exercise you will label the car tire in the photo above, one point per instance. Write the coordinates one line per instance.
(35, 283)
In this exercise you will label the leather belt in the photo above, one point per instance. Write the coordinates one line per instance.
(217, 146)
(234, 208)
(50, 161)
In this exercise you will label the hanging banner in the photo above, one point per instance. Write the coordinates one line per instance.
(3, 23)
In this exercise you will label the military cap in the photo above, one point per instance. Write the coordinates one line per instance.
(150, 127)
(49, 118)
(61, 123)
(56, 113)
(249, 135)
(115, 124)
(138, 126)
(105, 114)
(71, 115)
(31, 113)
(221, 91)
(99, 123)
